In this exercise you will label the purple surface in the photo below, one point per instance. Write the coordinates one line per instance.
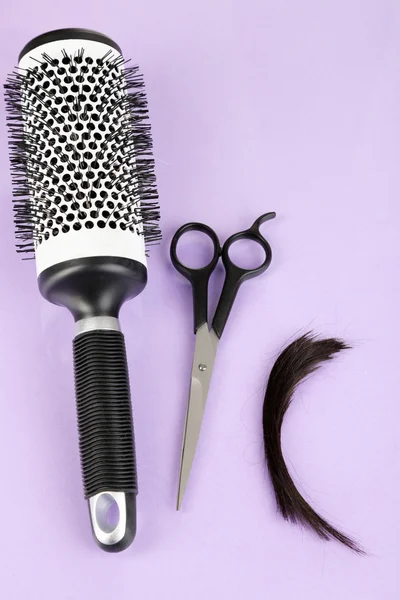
(255, 106)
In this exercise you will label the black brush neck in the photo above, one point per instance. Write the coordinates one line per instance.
(93, 287)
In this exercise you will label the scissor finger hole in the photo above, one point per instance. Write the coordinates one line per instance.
(247, 254)
(195, 249)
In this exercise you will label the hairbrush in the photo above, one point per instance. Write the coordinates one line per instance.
(85, 205)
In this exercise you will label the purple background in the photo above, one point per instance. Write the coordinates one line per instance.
(255, 106)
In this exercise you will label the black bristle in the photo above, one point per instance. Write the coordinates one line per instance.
(77, 126)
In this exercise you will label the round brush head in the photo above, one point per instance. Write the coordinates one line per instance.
(81, 151)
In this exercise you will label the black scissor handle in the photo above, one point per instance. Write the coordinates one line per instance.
(235, 275)
(199, 278)
(252, 234)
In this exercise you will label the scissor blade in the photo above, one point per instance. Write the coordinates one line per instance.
(203, 362)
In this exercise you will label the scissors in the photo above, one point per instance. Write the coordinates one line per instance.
(207, 340)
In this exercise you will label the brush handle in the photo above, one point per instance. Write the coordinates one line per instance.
(106, 437)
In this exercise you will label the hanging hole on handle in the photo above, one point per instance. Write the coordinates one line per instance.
(247, 254)
(195, 249)
(107, 513)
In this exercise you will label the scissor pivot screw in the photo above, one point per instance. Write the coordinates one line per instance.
(202, 367)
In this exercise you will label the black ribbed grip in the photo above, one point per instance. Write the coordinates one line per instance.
(106, 439)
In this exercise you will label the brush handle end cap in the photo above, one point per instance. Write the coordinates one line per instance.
(113, 519)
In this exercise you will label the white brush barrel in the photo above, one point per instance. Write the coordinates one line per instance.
(84, 183)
